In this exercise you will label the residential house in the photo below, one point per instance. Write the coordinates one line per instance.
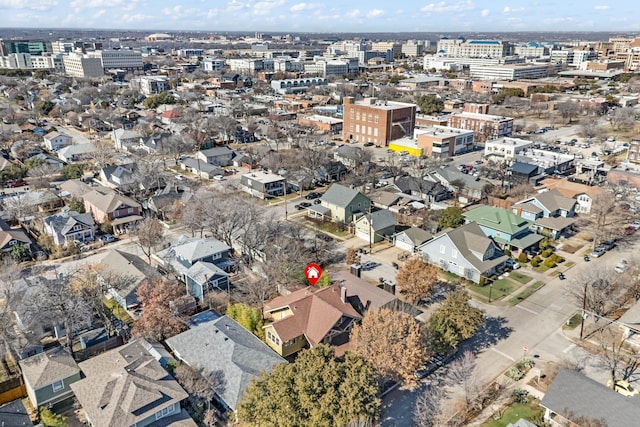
(507, 229)
(77, 152)
(263, 184)
(108, 206)
(467, 188)
(331, 172)
(118, 176)
(55, 163)
(411, 238)
(375, 226)
(130, 272)
(584, 194)
(217, 156)
(299, 180)
(465, 251)
(151, 144)
(573, 395)
(53, 141)
(425, 189)
(551, 212)
(10, 237)
(201, 263)
(308, 317)
(525, 173)
(67, 226)
(24, 205)
(14, 414)
(341, 204)
(362, 295)
(49, 375)
(124, 138)
(384, 199)
(350, 155)
(223, 348)
(169, 201)
(200, 168)
(127, 386)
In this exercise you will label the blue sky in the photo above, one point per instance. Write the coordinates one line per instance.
(325, 15)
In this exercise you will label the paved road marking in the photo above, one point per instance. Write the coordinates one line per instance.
(568, 349)
(527, 309)
(503, 354)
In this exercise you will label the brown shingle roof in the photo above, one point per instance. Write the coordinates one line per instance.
(315, 312)
(45, 368)
(124, 386)
(108, 201)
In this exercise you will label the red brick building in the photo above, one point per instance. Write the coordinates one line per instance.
(377, 121)
(485, 126)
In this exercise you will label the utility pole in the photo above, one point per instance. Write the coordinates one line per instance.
(584, 307)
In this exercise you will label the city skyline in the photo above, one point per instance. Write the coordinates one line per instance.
(322, 16)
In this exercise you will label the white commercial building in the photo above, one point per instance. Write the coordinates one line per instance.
(213, 64)
(505, 148)
(77, 65)
(121, 59)
(150, 85)
(474, 48)
(509, 72)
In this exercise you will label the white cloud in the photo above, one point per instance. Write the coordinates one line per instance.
(507, 10)
(305, 6)
(355, 13)
(91, 4)
(375, 13)
(235, 5)
(265, 7)
(212, 13)
(604, 7)
(138, 17)
(443, 6)
(33, 5)
(485, 12)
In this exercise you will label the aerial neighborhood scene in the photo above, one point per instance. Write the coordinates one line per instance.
(353, 214)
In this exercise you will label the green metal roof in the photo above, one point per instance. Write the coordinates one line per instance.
(497, 219)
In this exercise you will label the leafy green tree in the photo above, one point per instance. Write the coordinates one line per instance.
(73, 170)
(318, 390)
(19, 251)
(430, 104)
(44, 107)
(507, 92)
(454, 321)
(76, 205)
(451, 217)
(250, 318)
(158, 100)
(48, 418)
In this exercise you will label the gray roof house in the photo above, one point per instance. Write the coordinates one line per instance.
(551, 212)
(115, 176)
(574, 394)
(201, 168)
(48, 376)
(12, 236)
(131, 268)
(123, 138)
(471, 186)
(223, 347)
(218, 156)
(77, 152)
(14, 414)
(54, 141)
(411, 238)
(465, 251)
(375, 226)
(341, 204)
(349, 155)
(127, 386)
(67, 226)
(201, 263)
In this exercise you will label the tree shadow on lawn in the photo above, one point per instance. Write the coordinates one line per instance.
(494, 330)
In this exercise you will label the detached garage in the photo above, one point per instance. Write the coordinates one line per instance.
(409, 239)
(380, 223)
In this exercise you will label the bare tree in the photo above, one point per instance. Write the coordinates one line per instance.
(568, 110)
(149, 234)
(614, 355)
(429, 408)
(622, 118)
(462, 372)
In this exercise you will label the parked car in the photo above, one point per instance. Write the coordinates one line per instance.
(621, 266)
(313, 195)
(512, 264)
(302, 205)
(107, 238)
(369, 265)
(368, 144)
(597, 252)
(18, 183)
(218, 177)
(608, 244)
(624, 388)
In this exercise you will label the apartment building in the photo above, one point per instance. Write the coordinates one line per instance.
(332, 67)
(461, 47)
(82, 65)
(505, 149)
(32, 47)
(412, 48)
(531, 50)
(394, 47)
(150, 85)
(485, 126)
(246, 65)
(120, 59)
(377, 121)
(441, 142)
(297, 85)
(510, 72)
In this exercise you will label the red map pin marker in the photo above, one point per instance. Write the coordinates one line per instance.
(313, 272)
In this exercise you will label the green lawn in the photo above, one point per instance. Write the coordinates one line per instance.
(328, 227)
(522, 278)
(117, 310)
(499, 289)
(540, 268)
(526, 293)
(449, 277)
(569, 264)
(574, 321)
(528, 411)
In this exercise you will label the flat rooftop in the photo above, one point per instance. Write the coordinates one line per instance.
(506, 141)
(479, 116)
(441, 131)
(323, 119)
(264, 177)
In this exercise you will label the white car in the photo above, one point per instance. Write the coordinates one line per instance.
(621, 266)
(218, 177)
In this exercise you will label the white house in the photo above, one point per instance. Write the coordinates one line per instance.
(54, 141)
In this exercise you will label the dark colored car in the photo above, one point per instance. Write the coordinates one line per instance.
(368, 144)
(302, 205)
(312, 195)
(19, 183)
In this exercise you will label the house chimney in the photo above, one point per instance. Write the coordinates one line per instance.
(343, 295)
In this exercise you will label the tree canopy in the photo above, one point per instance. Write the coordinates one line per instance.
(451, 217)
(430, 104)
(416, 279)
(455, 320)
(391, 341)
(250, 318)
(318, 390)
(158, 321)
